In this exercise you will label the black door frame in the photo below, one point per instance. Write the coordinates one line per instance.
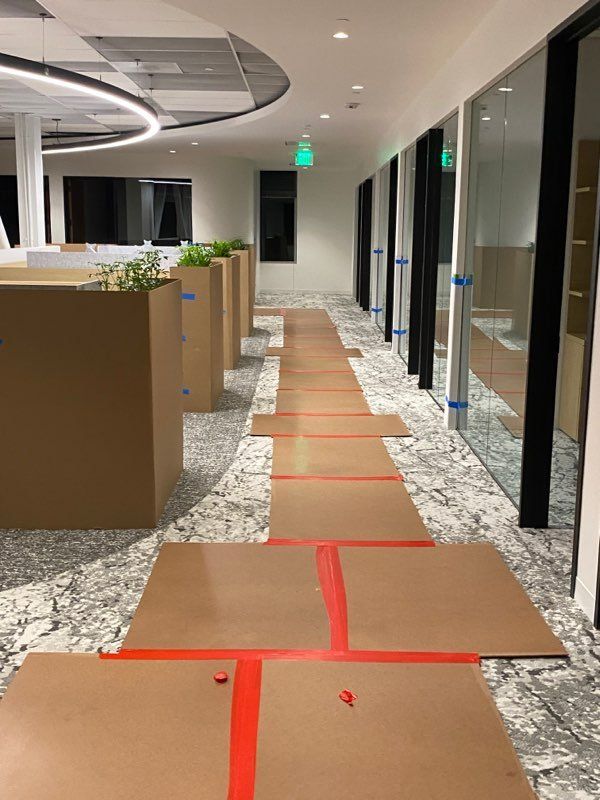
(364, 288)
(359, 201)
(549, 264)
(391, 249)
(425, 248)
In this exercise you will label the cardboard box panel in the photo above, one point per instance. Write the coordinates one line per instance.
(77, 726)
(202, 325)
(450, 598)
(232, 345)
(375, 425)
(246, 293)
(332, 457)
(416, 731)
(231, 596)
(300, 402)
(304, 352)
(312, 364)
(344, 510)
(319, 381)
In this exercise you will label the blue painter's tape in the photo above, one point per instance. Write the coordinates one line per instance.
(376, 310)
(400, 332)
(184, 338)
(456, 404)
(188, 296)
(1, 341)
(402, 261)
(459, 280)
(186, 391)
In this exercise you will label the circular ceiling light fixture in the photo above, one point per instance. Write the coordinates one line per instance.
(195, 144)
(172, 151)
(28, 70)
(306, 135)
(341, 35)
(486, 119)
(504, 89)
(325, 116)
(357, 87)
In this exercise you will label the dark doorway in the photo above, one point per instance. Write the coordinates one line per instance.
(9, 208)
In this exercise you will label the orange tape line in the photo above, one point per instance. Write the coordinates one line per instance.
(331, 578)
(337, 478)
(300, 389)
(350, 543)
(373, 656)
(245, 705)
(322, 414)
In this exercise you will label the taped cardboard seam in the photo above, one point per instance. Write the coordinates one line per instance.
(337, 478)
(331, 578)
(277, 542)
(245, 705)
(362, 656)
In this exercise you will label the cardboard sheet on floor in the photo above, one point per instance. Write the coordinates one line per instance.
(77, 726)
(308, 352)
(268, 312)
(450, 598)
(415, 731)
(344, 510)
(323, 342)
(231, 595)
(314, 364)
(302, 402)
(375, 425)
(336, 381)
(315, 331)
(332, 458)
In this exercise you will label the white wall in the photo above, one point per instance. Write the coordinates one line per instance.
(325, 233)
(222, 187)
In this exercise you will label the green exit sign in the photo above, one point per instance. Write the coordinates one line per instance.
(304, 158)
(447, 158)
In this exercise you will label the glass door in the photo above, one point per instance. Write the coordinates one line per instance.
(405, 255)
(381, 242)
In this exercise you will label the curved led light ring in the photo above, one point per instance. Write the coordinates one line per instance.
(36, 71)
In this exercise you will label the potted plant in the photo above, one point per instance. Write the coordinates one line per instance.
(221, 252)
(92, 388)
(201, 277)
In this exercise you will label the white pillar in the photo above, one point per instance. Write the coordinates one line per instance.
(30, 180)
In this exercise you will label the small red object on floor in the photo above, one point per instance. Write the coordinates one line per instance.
(221, 677)
(347, 696)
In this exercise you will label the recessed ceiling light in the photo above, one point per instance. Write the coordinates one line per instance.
(341, 35)
(306, 135)
(194, 143)
(325, 116)
(172, 151)
(357, 88)
(504, 89)
(304, 167)
(485, 119)
(208, 69)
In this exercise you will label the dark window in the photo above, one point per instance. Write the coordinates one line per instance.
(9, 208)
(128, 210)
(278, 216)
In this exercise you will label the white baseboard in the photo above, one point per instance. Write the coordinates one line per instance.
(585, 598)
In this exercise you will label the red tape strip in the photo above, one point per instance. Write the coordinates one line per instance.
(320, 371)
(326, 435)
(351, 542)
(300, 389)
(337, 478)
(245, 705)
(331, 578)
(370, 656)
(322, 414)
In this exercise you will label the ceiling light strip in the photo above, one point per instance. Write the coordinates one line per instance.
(35, 71)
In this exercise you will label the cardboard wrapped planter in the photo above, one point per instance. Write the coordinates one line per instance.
(202, 320)
(232, 345)
(247, 283)
(91, 407)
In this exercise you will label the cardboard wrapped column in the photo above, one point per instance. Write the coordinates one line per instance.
(92, 424)
(231, 311)
(202, 325)
(246, 293)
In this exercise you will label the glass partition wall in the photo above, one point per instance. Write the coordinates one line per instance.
(444, 271)
(381, 246)
(503, 197)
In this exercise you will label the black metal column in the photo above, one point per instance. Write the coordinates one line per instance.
(418, 244)
(365, 245)
(391, 249)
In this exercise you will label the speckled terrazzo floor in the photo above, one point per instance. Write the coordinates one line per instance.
(550, 706)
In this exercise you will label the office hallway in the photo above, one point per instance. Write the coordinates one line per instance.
(543, 701)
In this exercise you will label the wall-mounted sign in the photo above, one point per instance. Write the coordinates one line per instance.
(304, 158)
(447, 158)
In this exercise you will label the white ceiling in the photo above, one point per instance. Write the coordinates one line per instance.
(395, 48)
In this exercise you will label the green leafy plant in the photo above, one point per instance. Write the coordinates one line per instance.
(238, 244)
(220, 249)
(139, 274)
(195, 255)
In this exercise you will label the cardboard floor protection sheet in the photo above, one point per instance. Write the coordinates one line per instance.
(319, 381)
(348, 352)
(79, 725)
(314, 364)
(448, 598)
(344, 511)
(306, 402)
(328, 425)
(335, 458)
